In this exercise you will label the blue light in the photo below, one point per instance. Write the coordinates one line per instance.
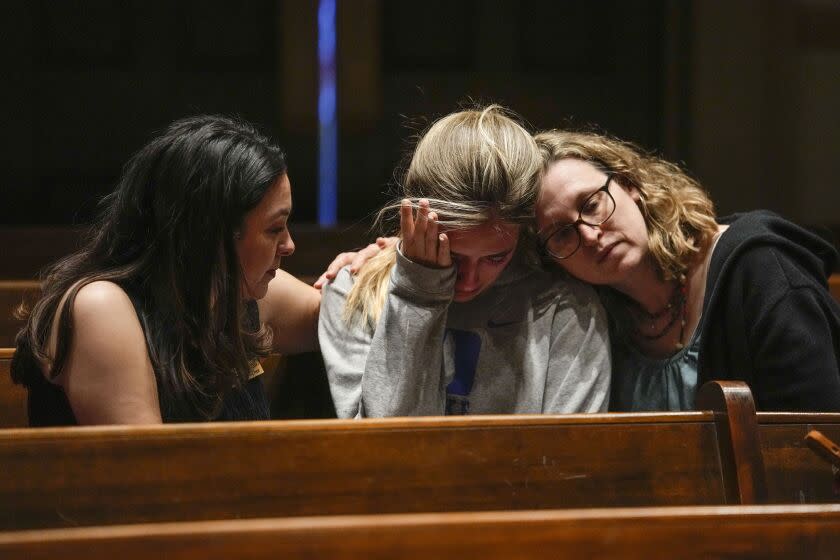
(327, 121)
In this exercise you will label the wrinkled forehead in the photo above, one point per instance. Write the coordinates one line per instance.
(565, 186)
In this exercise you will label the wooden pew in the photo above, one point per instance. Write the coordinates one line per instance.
(834, 286)
(764, 532)
(12, 397)
(111, 475)
(794, 473)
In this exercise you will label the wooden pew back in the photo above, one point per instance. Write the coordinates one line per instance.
(794, 473)
(764, 532)
(12, 294)
(107, 475)
(12, 397)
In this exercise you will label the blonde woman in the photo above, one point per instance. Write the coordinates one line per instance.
(691, 298)
(453, 320)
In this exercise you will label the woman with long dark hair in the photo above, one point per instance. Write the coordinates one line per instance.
(163, 313)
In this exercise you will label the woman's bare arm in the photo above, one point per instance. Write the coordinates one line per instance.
(291, 309)
(108, 377)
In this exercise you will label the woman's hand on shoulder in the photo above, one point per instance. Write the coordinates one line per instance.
(421, 240)
(355, 259)
(108, 376)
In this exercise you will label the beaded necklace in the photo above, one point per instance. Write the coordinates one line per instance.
(676, 307)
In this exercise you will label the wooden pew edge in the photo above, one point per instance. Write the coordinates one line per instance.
(190, 430)
(738, 439)
(487, 519)
(20, 285)
(766, 418)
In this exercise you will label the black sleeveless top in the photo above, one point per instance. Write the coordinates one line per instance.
(47, 403)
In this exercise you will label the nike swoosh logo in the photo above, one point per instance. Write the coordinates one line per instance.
(494, 325)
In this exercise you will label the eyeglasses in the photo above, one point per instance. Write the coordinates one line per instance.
(563, 241)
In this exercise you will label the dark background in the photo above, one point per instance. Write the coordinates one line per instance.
(744, 92)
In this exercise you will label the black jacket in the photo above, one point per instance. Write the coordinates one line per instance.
(768, 318)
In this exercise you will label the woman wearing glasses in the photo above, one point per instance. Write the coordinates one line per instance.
(691, 298)
(453, 320)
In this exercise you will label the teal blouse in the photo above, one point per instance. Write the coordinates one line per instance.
(643, 384)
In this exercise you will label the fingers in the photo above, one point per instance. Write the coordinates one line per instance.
(421, 237)
(384, 242)
(321, 281)
(364, 256)
(431, 237)
(421, 224)
(413, 229)
(355, 260)
(406, 221)
(444, 258)
(340, 261)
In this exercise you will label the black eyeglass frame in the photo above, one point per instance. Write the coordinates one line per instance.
(542, 241)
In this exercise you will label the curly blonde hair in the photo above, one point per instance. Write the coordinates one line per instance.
(474, 167)
(679, 214)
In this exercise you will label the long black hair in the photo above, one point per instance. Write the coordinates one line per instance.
(166, 236)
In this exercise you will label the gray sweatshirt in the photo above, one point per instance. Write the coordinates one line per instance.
(533, 342)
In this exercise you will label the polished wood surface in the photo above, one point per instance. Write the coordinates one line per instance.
(109, 475)
(735, 414)
(12, 397)
(12, 294)
(758, 532)
(795, 474)
(824, 447)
